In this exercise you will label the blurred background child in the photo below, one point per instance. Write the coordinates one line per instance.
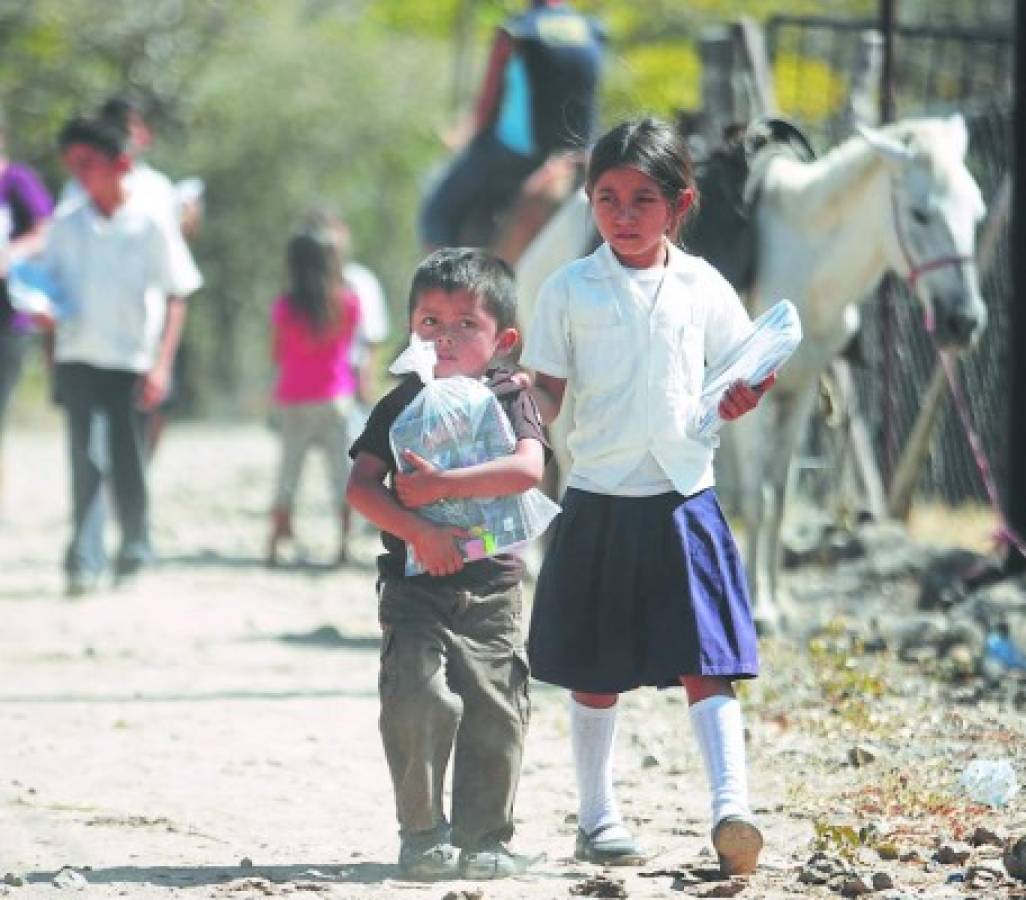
(314, 325)
(25, 208)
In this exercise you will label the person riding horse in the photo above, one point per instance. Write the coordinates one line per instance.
(538, 99)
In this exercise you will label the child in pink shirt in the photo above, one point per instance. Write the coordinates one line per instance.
(314, 325)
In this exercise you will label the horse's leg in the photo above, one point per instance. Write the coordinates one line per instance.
(748, 451)
(764, 441)
(728, 474)
(788, 416)
(539, 198)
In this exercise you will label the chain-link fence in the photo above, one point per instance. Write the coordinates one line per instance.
(939, 70)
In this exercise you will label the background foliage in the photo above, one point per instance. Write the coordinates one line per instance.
(283, 104)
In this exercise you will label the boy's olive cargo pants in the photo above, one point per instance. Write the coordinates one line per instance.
(453, 681)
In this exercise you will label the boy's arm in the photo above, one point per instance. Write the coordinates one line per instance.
(434, 545)
(175, 271)
(153, 388)
(366, 373)
(512, 474)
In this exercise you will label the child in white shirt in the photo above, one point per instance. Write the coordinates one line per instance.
(642, 583)
(120, 273)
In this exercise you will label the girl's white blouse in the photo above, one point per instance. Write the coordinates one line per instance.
(633, 370)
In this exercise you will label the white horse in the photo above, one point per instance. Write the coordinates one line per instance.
(898, 199)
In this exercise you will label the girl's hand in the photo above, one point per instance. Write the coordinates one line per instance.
(436, 548)
(420, 487)
(523, 379)
(739, 398)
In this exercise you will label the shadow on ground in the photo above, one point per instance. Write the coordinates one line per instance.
(182, 876)
(328, 636)
(173, 697)
(289, 877)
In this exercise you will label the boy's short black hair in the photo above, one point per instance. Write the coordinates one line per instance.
(102, 134)
(475, 271)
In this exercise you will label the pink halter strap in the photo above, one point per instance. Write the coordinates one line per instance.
(914, 270)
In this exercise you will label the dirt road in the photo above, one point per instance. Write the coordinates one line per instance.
(210, 730)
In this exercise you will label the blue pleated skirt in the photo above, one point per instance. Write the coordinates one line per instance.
(639, 591)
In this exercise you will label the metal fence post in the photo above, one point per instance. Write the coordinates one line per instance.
(1016, 501)
(888, 15)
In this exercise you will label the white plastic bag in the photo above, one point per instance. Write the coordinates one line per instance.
(990, 781)
(775, 336)
(456, 422)
(31, 290)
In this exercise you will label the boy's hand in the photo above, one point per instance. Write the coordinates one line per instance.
(153, 387)
(43, 321)
(420, 487)
(436, 548)
(740, 398)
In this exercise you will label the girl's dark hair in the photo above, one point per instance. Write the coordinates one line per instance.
(475, 271)
(653, 147)
(315, 274)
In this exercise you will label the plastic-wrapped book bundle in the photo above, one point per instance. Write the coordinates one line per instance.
(775, 335)
(457, 422)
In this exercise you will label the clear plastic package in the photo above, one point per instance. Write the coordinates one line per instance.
(457, 422)
(775, 336)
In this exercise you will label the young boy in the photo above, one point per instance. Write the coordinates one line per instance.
(119, 270)
(453, 675)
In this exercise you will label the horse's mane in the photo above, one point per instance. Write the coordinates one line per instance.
(815, 190)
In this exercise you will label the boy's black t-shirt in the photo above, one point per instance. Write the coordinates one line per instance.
(494, 572)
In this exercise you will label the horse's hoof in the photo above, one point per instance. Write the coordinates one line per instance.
(771, 625)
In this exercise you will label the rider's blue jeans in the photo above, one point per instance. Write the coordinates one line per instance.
(484, 177)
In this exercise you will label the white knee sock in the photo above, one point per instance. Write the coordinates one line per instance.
(593, 733)
(720, 733)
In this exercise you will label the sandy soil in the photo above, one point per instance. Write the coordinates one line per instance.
(210, 730)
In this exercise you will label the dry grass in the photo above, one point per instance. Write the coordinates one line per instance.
(970, 526)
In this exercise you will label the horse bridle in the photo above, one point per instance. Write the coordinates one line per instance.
(1005, 533)
(916, 271)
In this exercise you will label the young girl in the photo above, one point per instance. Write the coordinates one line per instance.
(642, 583)
(314, 326)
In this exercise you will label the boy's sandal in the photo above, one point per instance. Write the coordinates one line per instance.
(608, 849)
(737, 842)
(496, 861)
(436, 863)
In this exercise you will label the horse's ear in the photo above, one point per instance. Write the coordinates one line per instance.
(959, 134)
(882, 143)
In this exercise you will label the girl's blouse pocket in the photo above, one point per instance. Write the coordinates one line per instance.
(601, 344)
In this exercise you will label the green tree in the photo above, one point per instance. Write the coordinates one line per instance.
(282, 104)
